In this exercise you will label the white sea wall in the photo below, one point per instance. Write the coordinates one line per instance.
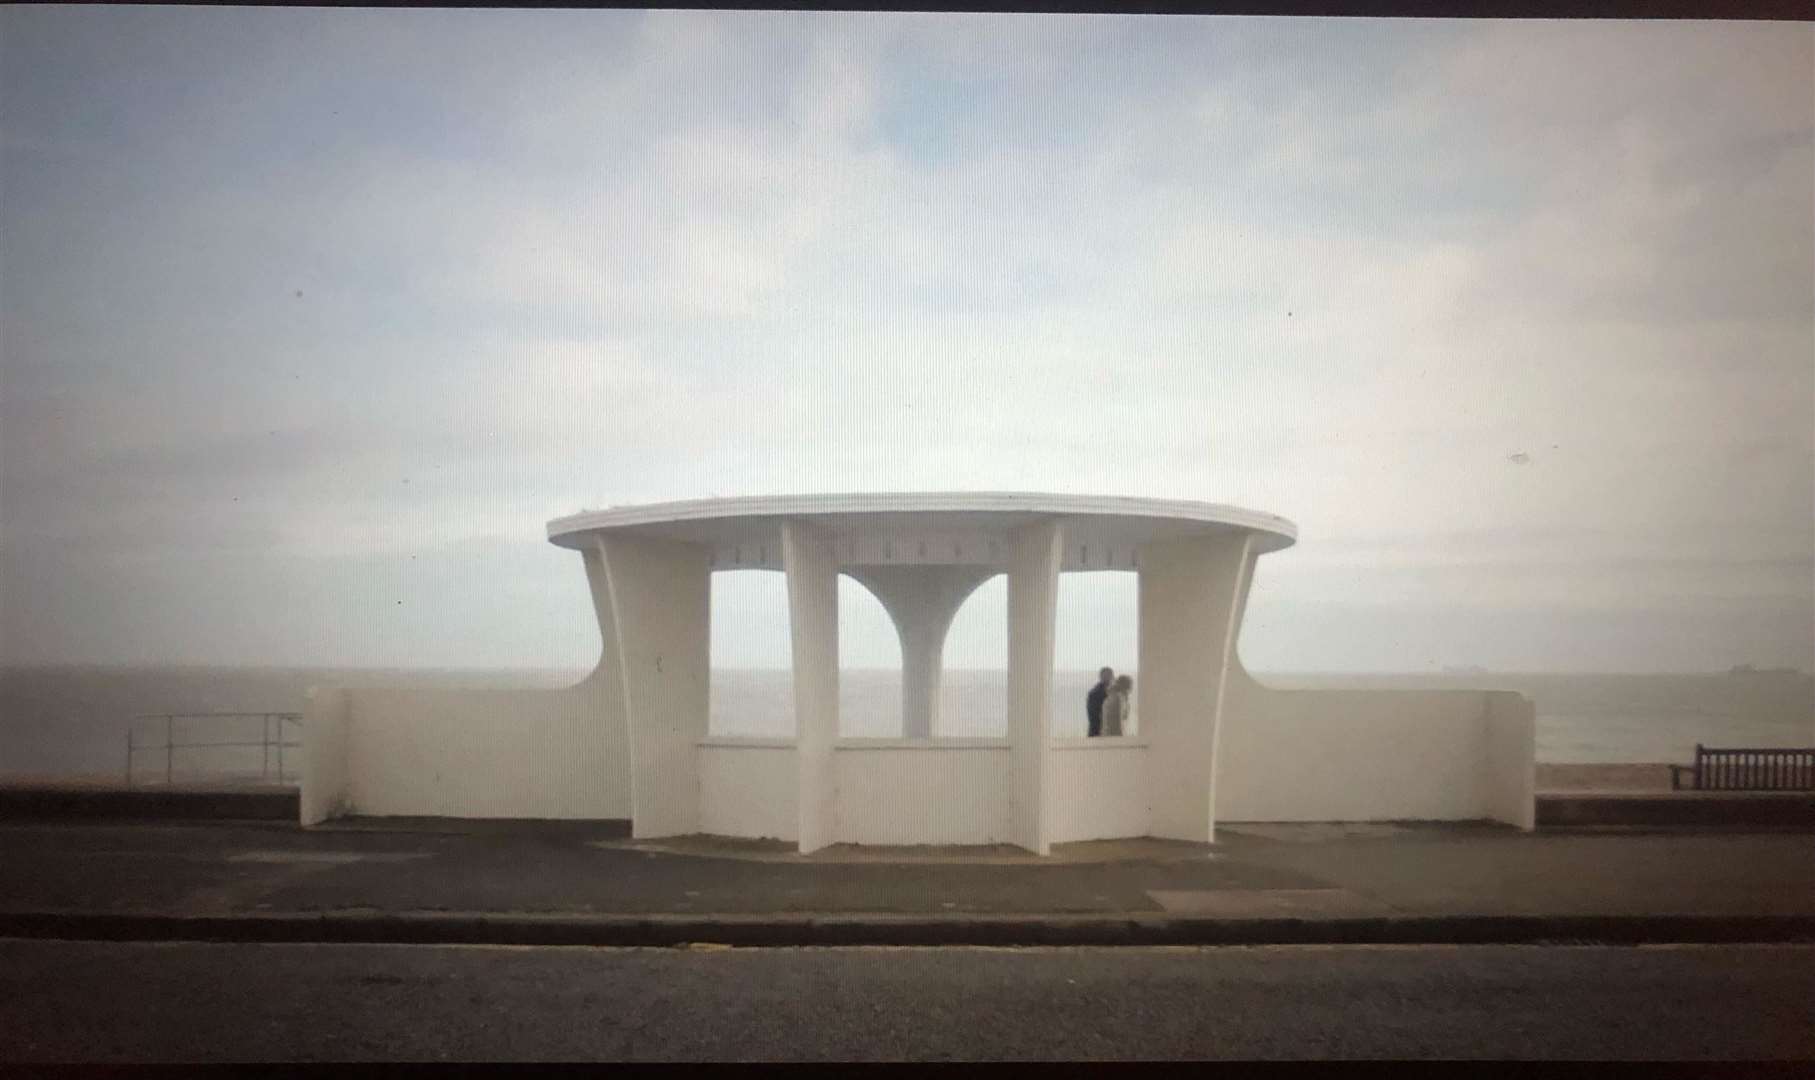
(1509, 769)
(1374, 755)
(1284, 755)
(749, 787)
(324, 785)
(470, 753)
(1099, 789)
(939, 792)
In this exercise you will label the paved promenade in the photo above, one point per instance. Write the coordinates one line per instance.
(584, 884)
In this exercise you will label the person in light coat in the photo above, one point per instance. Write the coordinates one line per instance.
(1117, 704)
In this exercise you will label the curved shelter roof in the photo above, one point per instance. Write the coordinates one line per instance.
(968, 528)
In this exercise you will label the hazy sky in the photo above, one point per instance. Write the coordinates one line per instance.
(311, 319)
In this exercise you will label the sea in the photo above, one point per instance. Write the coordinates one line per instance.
(89, 721)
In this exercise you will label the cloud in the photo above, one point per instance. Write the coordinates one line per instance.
(368, 285)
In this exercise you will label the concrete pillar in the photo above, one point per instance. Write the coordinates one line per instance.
(813, 617)
(1192, 593)
(660, 592)
(922, 601)
(604, 685)
(1033, 587)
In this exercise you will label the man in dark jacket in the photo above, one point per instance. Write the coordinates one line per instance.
(1093, 701)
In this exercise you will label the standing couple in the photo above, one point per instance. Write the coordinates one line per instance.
(1106, 706)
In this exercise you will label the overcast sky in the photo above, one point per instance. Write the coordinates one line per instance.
(313, 318)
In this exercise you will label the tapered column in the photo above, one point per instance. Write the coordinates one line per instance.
(604, 689)
(1033, 588)
(1192, 593)
(813, 618)
(922, 601)
(660, 592)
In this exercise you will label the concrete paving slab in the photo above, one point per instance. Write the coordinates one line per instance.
(777, 851)
(1239, 835)
(585, 828)
(1292, 879)
(1759, 873)
(333, 858)
(1267, 903)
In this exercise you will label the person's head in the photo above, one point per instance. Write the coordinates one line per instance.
(1124, 683)
(1106, 676)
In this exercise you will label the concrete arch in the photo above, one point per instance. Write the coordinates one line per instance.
(921, 601)
(973, 690)
(865, 709)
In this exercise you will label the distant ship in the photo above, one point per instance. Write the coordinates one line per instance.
(1786, 685)
(1464, 669)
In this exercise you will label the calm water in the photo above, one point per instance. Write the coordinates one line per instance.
(69, 721)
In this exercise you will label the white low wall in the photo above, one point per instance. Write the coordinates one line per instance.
(749, 787)
(901, 792)
(324, 775)
(1282, 755)
(516, 753)
(940, 792)
(1099, 789)
(1373, 755)
(1510, 765)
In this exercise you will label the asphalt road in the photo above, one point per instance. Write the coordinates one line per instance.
(84, 1001)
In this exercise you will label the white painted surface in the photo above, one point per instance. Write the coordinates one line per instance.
(511, 753)
(933, 793)
(1372, 755)
(1510, 764)
(324, 780)
(1101, 742)
(486, 753)
(749, 789)
(630, 740)
(933, 527)
(942, 742)
(1099, 789)
(813, 617)
(661, 596)
(1191, 594)
(1033, 594)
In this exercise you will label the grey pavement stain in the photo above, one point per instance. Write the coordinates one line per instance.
(334, 858)
(1134, 849)
(238, 895)
(1237, 903)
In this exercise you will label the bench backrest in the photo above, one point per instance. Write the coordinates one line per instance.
(1754, 769)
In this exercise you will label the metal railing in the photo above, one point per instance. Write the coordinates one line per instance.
(274, 734)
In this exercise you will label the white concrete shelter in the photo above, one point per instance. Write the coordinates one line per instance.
(631, 741)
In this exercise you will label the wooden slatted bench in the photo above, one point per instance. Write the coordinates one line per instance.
(1747, 769)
